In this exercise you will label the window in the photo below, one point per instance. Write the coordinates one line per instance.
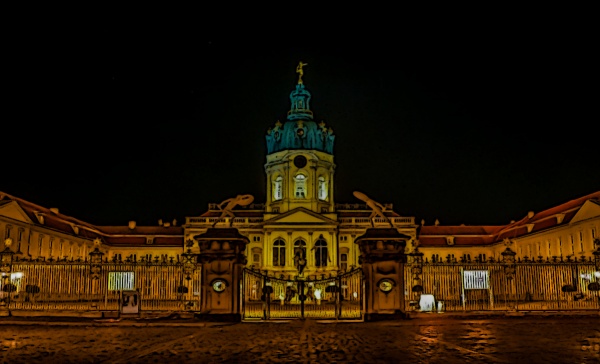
(20, 239)
(300, 186)
(119, 281)
(344, 258)
(323, 193)
(300, 246)
(256, 238)
(279, 253)
(50, 245)
(278, 188)
(40, 242)
(321, 253)
(299, 253)
(7, 232)
(256, 257)
(560, 251)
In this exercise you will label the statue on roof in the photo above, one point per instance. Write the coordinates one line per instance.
(377, 207)
(227, 206)
(300, 72)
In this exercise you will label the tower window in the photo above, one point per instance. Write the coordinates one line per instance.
(323, 189)
(278, 188)
(279, 253)
(300, 186)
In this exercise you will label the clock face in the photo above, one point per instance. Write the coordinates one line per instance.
(300, 161)
(219, 285)
(386, 285)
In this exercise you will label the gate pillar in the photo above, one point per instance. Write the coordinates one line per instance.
(382, 260)
(222, 260)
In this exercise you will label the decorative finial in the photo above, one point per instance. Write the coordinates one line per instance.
(300, 72)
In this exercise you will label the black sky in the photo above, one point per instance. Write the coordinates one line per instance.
(475, 126)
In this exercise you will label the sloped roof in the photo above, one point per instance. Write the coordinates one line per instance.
(111, 235)
(463, 235)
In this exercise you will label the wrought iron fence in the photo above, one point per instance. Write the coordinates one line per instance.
(524, 286)
(97, 285)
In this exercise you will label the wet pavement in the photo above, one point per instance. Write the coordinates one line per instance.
(426, 339)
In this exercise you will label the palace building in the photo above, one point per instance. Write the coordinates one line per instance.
(300, 231)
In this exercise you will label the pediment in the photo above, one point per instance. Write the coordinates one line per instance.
(589, 210)
(12, 210)
(300, 215)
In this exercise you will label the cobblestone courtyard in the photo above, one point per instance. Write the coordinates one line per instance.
(424, 340)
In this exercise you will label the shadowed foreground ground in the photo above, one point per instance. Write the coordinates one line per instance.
(424, 340)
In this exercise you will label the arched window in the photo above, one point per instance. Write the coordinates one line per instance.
(323, 189)
(278, 188)
(299, 253)
(321, 254)
(279, 253)
(300, 186)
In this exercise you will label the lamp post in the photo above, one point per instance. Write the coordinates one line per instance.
(508, 261)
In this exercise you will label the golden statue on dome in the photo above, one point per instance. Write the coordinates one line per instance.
(300, 72)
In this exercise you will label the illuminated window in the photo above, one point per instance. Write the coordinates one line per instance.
(279, 253)
(300, 186)
(119, 281)
(321, 253)
(278, 188)
(323, 189)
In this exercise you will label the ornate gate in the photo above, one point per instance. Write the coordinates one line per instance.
(267, 297)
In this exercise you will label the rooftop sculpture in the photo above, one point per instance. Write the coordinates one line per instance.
(227, 206)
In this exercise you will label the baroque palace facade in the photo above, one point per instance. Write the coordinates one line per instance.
(300, 230)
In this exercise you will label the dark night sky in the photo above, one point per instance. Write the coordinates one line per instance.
(466, 126)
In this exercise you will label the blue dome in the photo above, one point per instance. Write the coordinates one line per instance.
(300, 131)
